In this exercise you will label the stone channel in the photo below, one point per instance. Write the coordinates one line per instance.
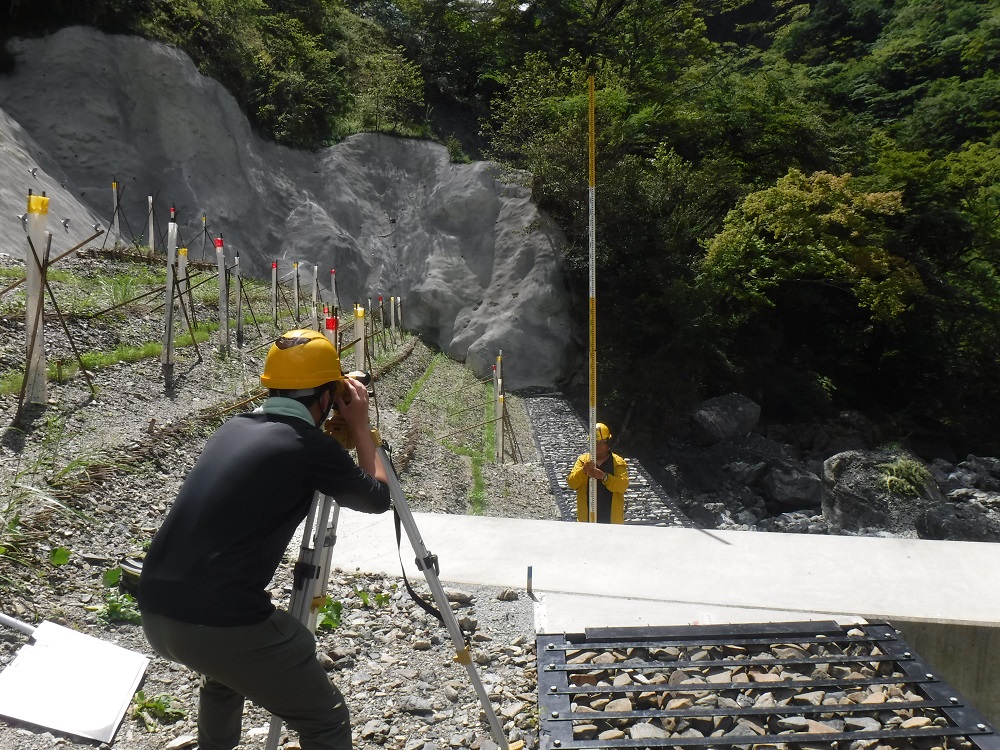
(561, 435)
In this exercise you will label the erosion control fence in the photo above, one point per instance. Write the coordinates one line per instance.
(505, 441)
(780, 686)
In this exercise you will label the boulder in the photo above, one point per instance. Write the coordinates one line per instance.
(792, 487)
(724, 418)
(876, 489)
(956, 523)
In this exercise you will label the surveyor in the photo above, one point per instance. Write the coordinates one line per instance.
(611, 472)
(203, 588)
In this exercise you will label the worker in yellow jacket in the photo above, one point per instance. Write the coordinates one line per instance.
(611, 473)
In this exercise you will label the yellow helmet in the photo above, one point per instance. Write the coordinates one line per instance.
(299, 360)
(603, 433)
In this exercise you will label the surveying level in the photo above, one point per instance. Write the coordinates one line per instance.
(312, 573)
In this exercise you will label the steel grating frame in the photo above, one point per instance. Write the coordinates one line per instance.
(957, 724)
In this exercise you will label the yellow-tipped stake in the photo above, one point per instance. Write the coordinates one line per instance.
(336, 306)
(359, 334)
(116, 232)
(381, 320)
(591, 482)
(35, 387)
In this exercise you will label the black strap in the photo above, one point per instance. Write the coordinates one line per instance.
(429, 563)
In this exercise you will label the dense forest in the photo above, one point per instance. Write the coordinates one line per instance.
(797, 201)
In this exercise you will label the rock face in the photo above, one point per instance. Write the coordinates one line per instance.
(476, 265)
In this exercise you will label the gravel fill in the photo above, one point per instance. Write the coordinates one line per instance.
(95, 474)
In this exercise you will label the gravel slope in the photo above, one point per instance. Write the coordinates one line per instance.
(110, 466)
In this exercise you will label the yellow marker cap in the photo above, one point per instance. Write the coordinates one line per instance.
(38, 204)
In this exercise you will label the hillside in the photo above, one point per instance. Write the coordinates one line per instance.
(797, 204)
(463, 244)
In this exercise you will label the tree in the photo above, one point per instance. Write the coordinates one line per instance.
(814, 229)
(390, 89)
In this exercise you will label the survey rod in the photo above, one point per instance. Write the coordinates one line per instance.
(591, 481)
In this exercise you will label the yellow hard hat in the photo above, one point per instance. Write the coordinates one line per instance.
(603, 433)
(299, 360)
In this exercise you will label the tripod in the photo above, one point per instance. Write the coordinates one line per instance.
(312, 572)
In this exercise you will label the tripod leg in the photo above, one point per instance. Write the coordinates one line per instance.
(424, 558)
(310, 577)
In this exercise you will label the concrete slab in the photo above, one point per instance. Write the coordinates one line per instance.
(640, 575)
(556, 612)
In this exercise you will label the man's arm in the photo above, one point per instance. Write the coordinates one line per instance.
(578, 477)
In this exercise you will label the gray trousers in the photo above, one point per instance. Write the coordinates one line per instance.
(273, 664)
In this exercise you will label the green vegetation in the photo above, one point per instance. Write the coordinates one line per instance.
(329, 615)
(156, 709)
(136, 288)
(304, 71)
(117, 605)
(798, 202)
(368, 601)
(13, 537)
(477, 492)
(411, 395)
(475, 442)
(26, 498)
(906, 477)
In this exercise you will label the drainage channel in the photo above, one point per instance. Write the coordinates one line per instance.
(779, 686)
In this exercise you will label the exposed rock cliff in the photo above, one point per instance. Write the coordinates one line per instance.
(475, 263)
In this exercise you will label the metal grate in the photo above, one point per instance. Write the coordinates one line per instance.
(779, 686)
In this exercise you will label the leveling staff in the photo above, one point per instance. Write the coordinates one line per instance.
(203, 586)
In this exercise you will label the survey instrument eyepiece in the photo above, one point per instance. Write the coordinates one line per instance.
(365, 378)
(334, 425)
(344, 391)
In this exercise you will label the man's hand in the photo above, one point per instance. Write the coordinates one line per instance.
(352, 403)
(591, 470)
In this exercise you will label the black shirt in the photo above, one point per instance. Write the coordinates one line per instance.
(213, 557)
(603, 493)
